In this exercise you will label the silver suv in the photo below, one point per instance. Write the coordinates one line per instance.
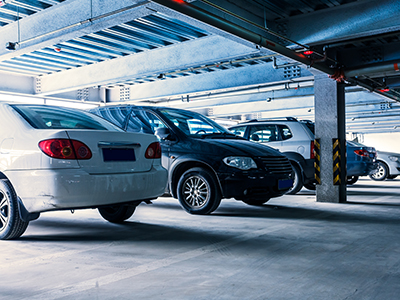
(291, 137)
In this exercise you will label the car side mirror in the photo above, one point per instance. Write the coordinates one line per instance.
(164, 133)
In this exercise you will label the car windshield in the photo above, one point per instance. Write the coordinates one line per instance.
(194, 124)
(54, 117)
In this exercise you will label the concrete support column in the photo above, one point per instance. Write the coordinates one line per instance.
(329, 126)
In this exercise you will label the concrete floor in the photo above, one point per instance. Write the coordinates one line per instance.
(290, 248)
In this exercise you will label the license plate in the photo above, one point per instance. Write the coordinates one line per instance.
(110, 154)
(285, 183)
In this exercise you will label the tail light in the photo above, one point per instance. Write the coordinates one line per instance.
(362, 152)
(65, 149)
(312, 150)
(153, 151)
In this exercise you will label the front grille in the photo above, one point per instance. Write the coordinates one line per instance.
(277, 164)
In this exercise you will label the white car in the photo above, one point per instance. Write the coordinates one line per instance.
(389, 166)
(54, 158)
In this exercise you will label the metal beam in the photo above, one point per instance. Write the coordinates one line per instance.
(248, 35)
(179, 56)
(258, 103)
(212, 82)
(16, 84)
(68, 20)
(348, 21)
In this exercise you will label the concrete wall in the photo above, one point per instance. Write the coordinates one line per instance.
(389, 142)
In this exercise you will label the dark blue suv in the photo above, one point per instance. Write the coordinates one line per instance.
(205, 161)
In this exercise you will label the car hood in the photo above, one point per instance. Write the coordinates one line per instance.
(235, 147)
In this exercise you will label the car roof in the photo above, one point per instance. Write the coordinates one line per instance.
(138, 107)
(264, 121)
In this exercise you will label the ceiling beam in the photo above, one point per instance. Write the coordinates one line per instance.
(348, 21)
(68, 20)
(212, 82)
(166, 59)
(16, 84)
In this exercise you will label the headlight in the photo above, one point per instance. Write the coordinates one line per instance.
(394, 158)
(240, 162)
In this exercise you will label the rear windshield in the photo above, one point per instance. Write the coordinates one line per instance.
(54, 117)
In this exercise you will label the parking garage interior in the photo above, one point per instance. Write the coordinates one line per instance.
(332, 62)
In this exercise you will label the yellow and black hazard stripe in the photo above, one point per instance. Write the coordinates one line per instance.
(317, 160)
(336, 161)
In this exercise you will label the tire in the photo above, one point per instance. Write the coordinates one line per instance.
(298, 180)
(255, 202)
(381, 172)
(351, 180)
(310, 186)
(11, 225)
(117, 213)
(198, 192)
(392, 177)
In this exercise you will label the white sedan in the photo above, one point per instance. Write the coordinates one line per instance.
(54, 158)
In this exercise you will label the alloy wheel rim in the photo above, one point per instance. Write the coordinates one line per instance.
(196, 192)
(379, 173)
(295, 181)
(4, 211)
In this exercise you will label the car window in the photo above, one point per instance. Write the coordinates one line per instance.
(285, 132)
(154, 121)
(239, 130)
(263, 133)
(54, 117)
(143, 121)
(116, 115)
(192, 123)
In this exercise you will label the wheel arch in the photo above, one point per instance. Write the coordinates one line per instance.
(181, 167)
(24, 214)
(295, 158)
(383, 162)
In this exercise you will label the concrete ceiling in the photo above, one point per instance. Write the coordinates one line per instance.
(225, 58)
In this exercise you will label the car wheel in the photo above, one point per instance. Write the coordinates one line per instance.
(256, 202)
(351, 179)
(297, 180)
(11, 225)
(381, 172)
(117, 213)
(310, 186)
(198, 192)
(392, 177)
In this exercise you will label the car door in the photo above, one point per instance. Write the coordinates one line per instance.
(148, 122)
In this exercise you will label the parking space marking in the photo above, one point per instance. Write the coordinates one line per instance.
(63, 291)
(49, 257)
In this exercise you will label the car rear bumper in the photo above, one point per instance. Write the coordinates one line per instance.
(360, 168)
(44, 190)
(242, 186)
